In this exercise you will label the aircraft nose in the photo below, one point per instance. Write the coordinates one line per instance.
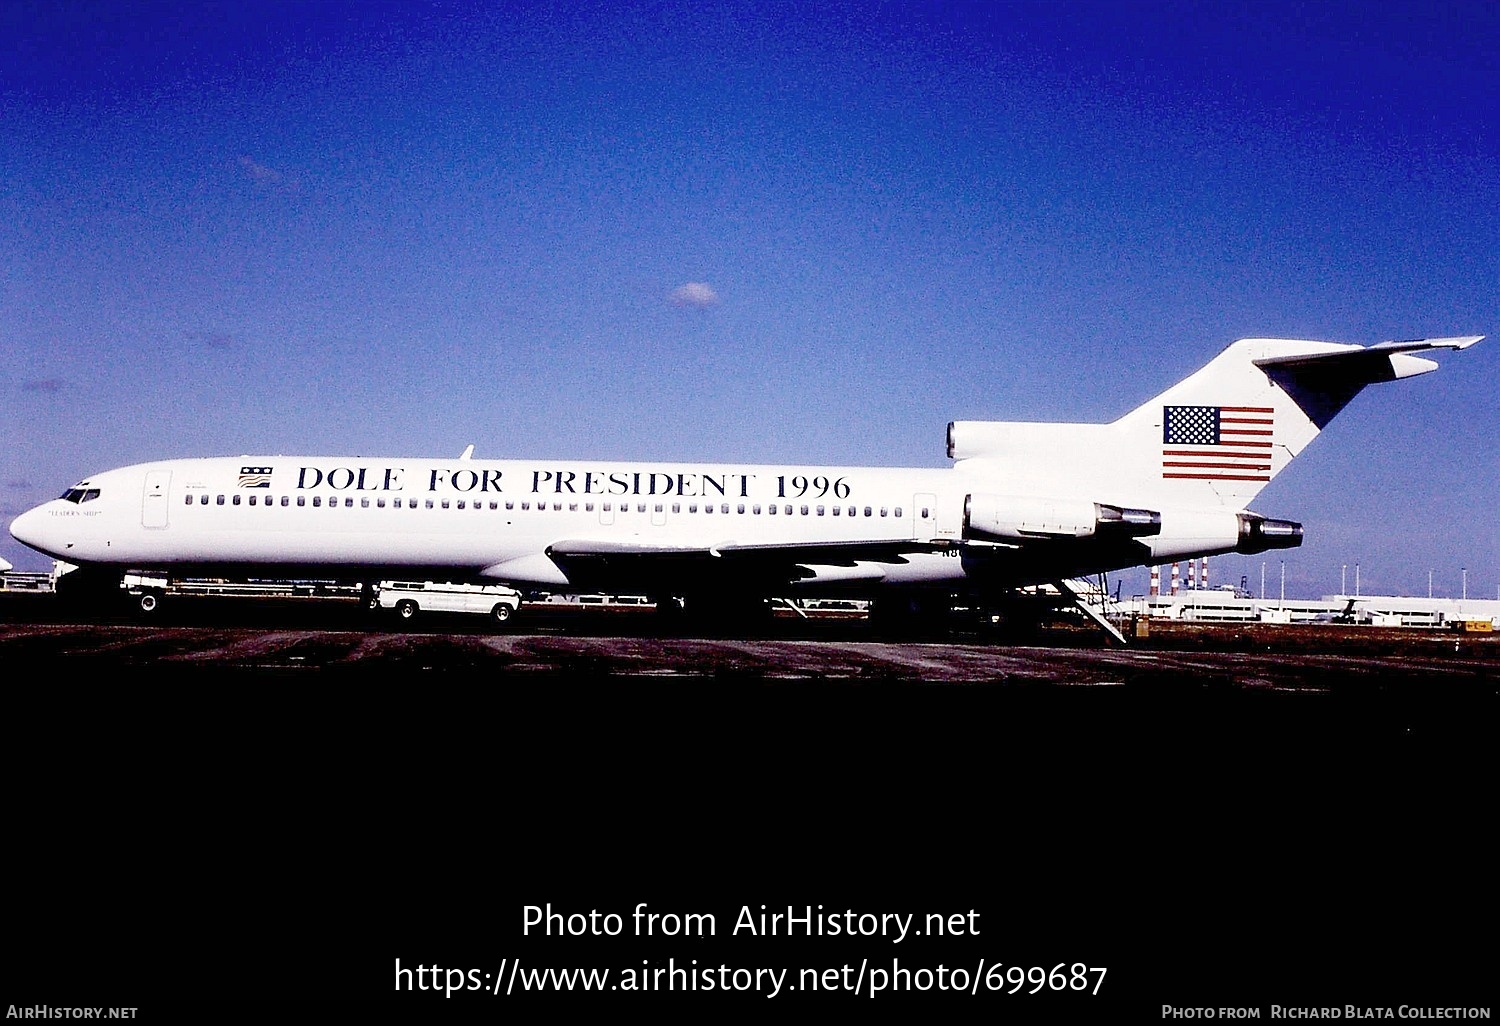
(28, 530)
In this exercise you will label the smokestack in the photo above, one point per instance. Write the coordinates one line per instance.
(1174, 578)
(1203, 573)
(1155, 581)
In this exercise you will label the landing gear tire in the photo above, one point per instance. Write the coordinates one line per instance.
(501, 613)
(406, 609)
(149, 603)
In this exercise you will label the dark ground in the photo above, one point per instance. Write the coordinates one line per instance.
(222, 818)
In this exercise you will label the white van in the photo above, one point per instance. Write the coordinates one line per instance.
(408, 598)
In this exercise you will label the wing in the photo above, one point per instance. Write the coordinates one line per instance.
(613, 565)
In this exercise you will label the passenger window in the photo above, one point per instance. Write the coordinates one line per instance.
(820, 511)
(317, 500)
(572, 507)
(428, 503)
(525, 505)
(219, 501)
(708, 507)
(496, 505)
(286, 500)
(235, 500)
(445, 503)
(756, 509)
(898, 511)
(252, 500)
(837, 510)
(189, 500)
(510, 504)
(557, 507)
(411, 503)
(640, 507)
(302, 500)
(365, 503)
(804, 511)
(724, 508)
(740, 508)
(869, 512)
(460, 504)
(588, 507)
(203, 499)
(676, 507)
(882, 511)
(380, 504)
(659, 508)
(771, 509)
(924, 513)
(349, 503)
(692, 507)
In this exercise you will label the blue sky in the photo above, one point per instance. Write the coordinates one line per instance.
(365, 228)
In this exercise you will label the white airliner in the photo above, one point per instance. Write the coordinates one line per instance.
(1022, 504)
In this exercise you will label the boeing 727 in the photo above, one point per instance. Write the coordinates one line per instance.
(1022, 504)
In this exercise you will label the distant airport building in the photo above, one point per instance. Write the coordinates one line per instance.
(1224, 605)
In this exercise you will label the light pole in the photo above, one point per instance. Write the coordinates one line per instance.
(1429, 584)
(1283, 583)
(1466, 582)
(1342, 586)
(1263, 582)
(1356, 580)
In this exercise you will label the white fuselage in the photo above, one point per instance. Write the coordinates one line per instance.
(478, 518)
(366, 519)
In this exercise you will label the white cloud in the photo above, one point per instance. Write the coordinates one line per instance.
(259, 172)
(695, 294)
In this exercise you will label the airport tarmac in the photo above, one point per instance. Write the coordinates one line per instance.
(396, 788)
(334, 638)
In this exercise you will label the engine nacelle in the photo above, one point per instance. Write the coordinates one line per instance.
(1027, 518)
(1259, 534)
(1187, 533)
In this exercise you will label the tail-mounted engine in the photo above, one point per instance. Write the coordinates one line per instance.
(1258, 534)
(1025, 518)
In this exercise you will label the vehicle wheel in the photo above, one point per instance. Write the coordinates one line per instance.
(501, 612)
(149, 602)
(406, 609)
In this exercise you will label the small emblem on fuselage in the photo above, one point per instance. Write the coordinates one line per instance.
(255, 477)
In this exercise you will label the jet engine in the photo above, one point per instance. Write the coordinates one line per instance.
(1028, 518)
(1258, 534)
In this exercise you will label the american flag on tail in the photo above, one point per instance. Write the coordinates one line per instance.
(1217, 443)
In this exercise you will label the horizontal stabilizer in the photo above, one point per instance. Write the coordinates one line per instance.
(1322, 382)
(1354, 358)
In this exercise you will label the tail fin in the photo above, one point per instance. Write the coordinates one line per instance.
(1221, 435)
(1214, 439)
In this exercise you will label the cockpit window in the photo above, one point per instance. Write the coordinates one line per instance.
(80, 495)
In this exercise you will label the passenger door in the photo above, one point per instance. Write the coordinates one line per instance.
(154, 499)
